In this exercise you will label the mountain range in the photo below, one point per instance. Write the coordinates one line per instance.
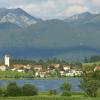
(25, 36)
(17, 16)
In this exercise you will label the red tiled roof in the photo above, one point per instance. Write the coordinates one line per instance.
(98, 67)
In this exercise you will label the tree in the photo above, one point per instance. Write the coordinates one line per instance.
(66, 86)
(96, 75)
(33, 71)
(86, 60)
(61, 67)
(90, 87)
(13, 89)
(87, 70)
(94, 58)
(29, 90)
(58, 73)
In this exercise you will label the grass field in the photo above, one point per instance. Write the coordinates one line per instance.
(14, 75)
(48, 98)
(97, 63)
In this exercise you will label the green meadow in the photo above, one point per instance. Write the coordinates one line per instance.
(48, 98)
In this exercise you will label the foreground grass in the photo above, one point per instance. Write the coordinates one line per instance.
(48, 98)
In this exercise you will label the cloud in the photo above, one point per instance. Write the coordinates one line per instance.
(96, 2)
(56, 8)
(48, 9)
(45, 10)
(74, 9)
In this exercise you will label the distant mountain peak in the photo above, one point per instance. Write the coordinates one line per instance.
(85, 13)
(80, 17)
(17, 16)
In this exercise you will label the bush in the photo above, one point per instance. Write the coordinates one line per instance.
(98, 93)
(66, 93)
(13, 90)
(52, 92)
(66, 86)
(1, 92)
(78, 93)
(29, 90)
(90, 87)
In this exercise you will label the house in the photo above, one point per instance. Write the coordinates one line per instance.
(65, 67)
(97, 68)
(74, 73)
(37, 74)
(62, 73)
(28, 67)
(18, 68)
(43, 73)
(69, 74)
(13, 69)
(3, 68)
(54, 66)
(37, 67)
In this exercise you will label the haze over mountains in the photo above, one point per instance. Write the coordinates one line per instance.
(22, 35)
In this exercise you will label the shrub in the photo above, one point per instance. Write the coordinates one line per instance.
(90, 87)
(29, 90)
(66, 86)
(1, 92)
(66, 93)
(52, 92)
(98, 93)
(13, 90)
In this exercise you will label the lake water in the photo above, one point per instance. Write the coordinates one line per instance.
(45, 85)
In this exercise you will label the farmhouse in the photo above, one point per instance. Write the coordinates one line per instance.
(54, 66)
(97, 68)
(66, 68)
(37, 67)
(3, 68)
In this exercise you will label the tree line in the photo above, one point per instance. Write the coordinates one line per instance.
(94, 58)
(13, 90)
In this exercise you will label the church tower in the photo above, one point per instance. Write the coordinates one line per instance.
(7, 60)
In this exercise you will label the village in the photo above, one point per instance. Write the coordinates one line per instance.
(38, 70)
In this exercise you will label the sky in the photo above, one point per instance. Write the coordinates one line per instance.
(53, 9)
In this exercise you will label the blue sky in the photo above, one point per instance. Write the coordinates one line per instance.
(50, 9)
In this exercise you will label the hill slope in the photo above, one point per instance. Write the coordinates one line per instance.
(53, 38)
(17, 16)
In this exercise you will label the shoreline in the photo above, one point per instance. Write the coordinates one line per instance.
(55, 78)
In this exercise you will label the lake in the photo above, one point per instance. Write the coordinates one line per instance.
(45, 85)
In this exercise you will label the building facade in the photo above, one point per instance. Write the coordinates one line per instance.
(7, 60)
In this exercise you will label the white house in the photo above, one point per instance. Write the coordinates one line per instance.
(20, 70)
(62, 73)
(13, 69)
(65, 67)
(37, 74)
(3, 68)
(74, 73)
